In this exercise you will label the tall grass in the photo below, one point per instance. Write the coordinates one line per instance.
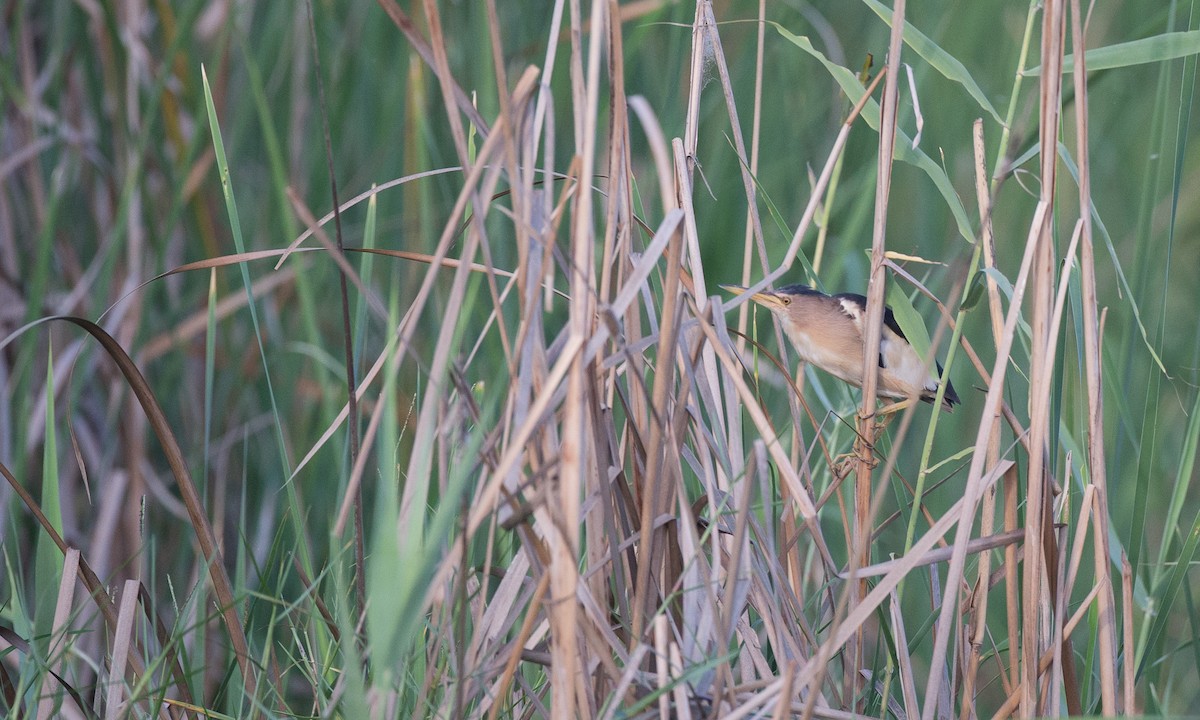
(486, 440)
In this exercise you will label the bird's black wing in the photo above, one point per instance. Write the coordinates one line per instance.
(889, 318)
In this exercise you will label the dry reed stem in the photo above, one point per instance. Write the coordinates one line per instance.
(1097, 472)
(1012, 601)
(979, 600)
(337, 251)
(940, 555)
(59, 633)
(695, 283)
(520, 200)
(1057, 640)
(501, 688)
(872, 333)
(574, 452)
(706, 49)
(756, 125)
(661, 478)
(1128, 699)
(1037, 575)
(908, 688)
(123, 641)
(1081, 532)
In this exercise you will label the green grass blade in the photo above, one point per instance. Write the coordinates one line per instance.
(938, 59)
(49, 560)
(909, 319)
(1166, 46)
(1165, 598)
(904, 150)
(235, 226)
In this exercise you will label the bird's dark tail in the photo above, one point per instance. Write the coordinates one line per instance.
(950, 399)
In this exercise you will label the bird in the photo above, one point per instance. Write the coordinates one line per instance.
(827, 331)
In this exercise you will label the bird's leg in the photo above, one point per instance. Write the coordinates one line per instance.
(844, 464)
(887, 412)
(895, 407)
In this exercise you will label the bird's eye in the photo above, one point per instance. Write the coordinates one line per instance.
(787, 300)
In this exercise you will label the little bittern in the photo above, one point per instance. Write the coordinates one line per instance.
(827, 331)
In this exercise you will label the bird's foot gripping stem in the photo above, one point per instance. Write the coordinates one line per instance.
(845, 464)
(864, 452)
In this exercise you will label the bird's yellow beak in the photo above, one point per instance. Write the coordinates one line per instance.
(767, 298)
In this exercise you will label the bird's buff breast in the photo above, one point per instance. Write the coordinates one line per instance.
(840, 359)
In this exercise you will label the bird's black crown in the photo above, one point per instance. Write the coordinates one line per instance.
(798, 289)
